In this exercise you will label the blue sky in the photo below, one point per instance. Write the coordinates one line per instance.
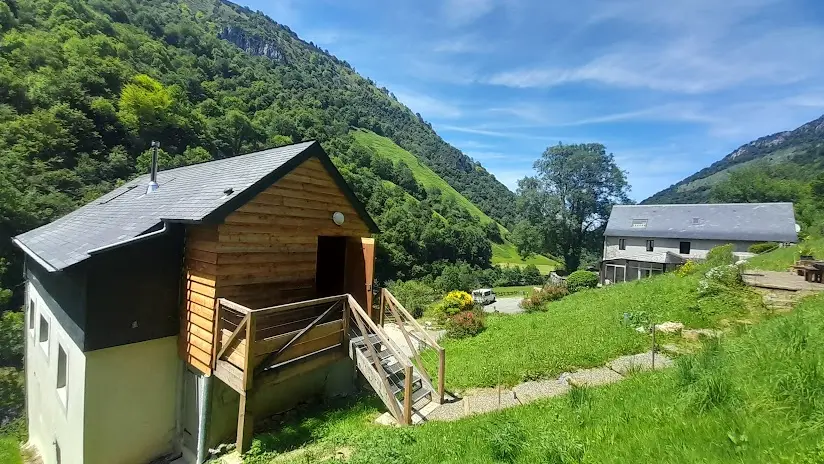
(669, 86)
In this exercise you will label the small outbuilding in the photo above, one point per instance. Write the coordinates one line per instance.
(164, 315)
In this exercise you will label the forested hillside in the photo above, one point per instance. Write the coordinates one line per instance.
(85, 86)
(800, 146)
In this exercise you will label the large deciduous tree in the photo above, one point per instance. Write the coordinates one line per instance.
(570, 198)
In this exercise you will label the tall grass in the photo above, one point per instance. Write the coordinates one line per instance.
(753, 398)
(585, 329)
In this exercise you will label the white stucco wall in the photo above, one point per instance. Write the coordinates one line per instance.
(51, 422)
(131, 402)
(636, 248)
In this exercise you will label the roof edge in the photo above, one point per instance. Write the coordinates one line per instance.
(28, 251)
(314, 149)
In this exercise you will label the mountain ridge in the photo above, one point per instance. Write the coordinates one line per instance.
(773, 148)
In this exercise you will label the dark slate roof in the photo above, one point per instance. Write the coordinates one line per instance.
(189, 194)
(758, 222)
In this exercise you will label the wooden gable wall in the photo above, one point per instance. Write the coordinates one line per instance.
(263, 254)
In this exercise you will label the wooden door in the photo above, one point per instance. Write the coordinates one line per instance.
(360, 271)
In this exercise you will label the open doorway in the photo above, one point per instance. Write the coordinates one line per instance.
(331, 262)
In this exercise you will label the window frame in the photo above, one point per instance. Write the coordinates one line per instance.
(681, 248)
(650, 245)
(622, 244)
(62, 391)
(32, 315)
(44, 344)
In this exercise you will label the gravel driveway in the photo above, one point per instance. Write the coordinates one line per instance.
(505, 305)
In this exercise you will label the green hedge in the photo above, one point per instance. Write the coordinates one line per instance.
(580, 280)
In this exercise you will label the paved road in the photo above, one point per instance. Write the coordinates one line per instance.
(505, 305)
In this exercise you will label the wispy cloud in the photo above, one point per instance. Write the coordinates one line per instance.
(427, 106)
(463, 12)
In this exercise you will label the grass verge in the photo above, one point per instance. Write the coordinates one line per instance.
(754, 397)
(782, 259)
(585, 329)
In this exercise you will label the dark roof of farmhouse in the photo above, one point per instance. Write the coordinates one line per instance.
(199, 193)
(756, 222)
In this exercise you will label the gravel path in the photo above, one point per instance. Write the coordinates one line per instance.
(505, 305)
(480, 401)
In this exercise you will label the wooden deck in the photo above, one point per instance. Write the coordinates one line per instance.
(773, 280)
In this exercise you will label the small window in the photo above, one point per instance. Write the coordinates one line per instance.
(622, 244)
(31, 316)
(44, 334)
(639, 223)
(696, 221)
(62, 373)
(650, 245)
(685, 248)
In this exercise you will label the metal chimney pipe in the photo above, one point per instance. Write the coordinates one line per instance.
(153, 176)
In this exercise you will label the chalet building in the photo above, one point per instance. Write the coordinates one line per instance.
(165, 315)
(643, 240)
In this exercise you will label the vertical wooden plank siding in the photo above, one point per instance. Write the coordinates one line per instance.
(263, 254)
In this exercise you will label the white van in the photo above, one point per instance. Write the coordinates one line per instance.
(483, 296)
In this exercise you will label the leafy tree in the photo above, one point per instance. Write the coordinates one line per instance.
(756, 184)
(571, 196)
(527, 239)
(144, 106)
(532, 276)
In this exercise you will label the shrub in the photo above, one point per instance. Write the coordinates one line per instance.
(580, 280)
(453, 303)
(413, 295)
(720, 256)
(531, 275)
(537, 300)
(688, 268)
(12, 395)
(759, 248)
(11, 339)
(720, 279)
(465, 324)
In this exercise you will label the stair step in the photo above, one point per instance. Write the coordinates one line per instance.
(417, 385)
(421, 393)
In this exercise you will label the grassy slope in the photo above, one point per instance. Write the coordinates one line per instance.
(755, 397)
(10, 451)
(582, 330)
(782, 258)
(504, 253)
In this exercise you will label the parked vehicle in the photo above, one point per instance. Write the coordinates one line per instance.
(483, 296)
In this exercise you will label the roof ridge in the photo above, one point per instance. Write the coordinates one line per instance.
(706, 204)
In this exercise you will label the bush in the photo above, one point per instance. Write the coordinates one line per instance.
(11, 339)
(506, 439)
(580, 280)
(413, 295)
(466, 324)
(531, 275)
(721, 256)
(759, 248)
(453, 303)
(688, 268)
(12, 395)
(537, 300)
(720, 279)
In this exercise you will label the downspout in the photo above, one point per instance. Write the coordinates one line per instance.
(204, 413)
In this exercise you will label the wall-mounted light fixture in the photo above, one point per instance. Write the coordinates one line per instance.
(338, 218)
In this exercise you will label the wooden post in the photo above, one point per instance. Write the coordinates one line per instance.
(245, 418)
(441, 373)
(345, 326)
(407, 395)
(383, 303)
(245, 424)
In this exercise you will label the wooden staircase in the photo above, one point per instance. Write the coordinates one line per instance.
(403, 384)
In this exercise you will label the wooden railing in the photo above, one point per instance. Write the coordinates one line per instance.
(392, 310)
(253, 345)
(375, 374)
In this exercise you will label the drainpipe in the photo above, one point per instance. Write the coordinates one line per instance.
(204, 413)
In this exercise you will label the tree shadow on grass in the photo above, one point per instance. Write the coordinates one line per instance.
(311, 422)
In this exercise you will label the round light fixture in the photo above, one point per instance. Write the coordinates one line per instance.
(337, 217)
